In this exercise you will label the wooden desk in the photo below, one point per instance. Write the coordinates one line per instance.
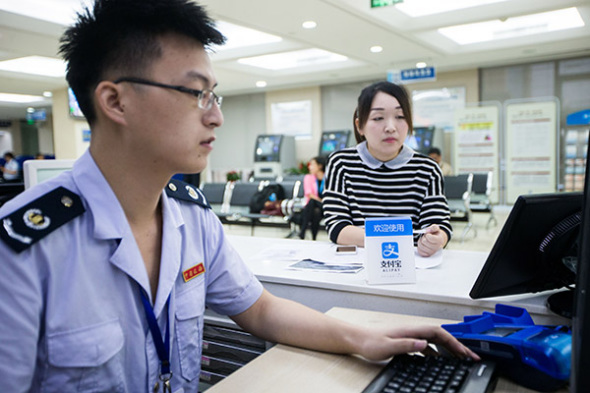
(292, 370)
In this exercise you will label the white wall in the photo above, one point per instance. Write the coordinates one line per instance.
(67, 132)
(45, 132)
(244, 119)
(5, 141)
(247, 116)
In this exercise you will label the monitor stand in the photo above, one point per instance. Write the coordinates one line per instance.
(562, 303)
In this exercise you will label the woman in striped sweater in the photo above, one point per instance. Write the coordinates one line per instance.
(383, 177)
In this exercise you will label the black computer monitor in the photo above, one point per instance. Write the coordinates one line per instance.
(332, 141)
(421, 139)
(268, 148)
(536, 250)
(580, 377)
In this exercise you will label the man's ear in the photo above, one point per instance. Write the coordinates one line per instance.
(107, 98)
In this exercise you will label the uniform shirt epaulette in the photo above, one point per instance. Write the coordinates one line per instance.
(186, 192)
(39, 218)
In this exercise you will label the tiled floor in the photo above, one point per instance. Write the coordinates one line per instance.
(478, 238)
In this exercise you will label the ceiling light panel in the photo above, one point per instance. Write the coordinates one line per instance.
(241, 37)
(520, 26)
(20, 98)
(62, 12)
(286, 60)
(35, 65)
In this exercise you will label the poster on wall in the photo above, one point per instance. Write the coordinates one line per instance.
(476, 144)
(437, 107)
(531, 137)
(291, 118)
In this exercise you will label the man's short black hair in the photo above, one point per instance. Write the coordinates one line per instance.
(321, 161)
(434, 150)
(121, 36)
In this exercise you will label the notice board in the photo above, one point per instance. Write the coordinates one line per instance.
(531, 148)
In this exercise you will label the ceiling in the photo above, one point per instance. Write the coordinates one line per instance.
(344, 27)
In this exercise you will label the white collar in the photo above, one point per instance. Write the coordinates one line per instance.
(404, 156)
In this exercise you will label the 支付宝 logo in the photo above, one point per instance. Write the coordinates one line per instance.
(390, 250)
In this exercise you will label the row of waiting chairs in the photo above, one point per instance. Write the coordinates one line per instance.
(231, 201)
(465, 193)
(468, 193)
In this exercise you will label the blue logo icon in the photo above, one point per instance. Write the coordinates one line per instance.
(390, 250)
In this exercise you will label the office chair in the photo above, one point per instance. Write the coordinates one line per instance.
(241, 194)
(480, 196)
(457, 190)
(217, 195)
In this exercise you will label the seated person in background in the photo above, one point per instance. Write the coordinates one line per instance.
(445, 167)
(106, 278)
(382, 177)
(11, 168)
(39, 156)
(313, 189)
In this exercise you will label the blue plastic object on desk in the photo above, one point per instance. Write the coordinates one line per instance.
(535, 356)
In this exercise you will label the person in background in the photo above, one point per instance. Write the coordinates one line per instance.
(11, 168)
(313, 189)
(445, 167)
(107, 275)
(382, 177)
(39, 156)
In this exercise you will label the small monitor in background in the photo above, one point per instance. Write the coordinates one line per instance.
(37, 171)
(75, 110)
(536, 250)
(268, 148)
(421, 139)
(332, 141)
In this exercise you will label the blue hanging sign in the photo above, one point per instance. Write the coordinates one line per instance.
(580, 118)
(412, 75)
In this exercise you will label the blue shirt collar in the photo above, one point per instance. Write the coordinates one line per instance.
(102, 201)
(404, 156)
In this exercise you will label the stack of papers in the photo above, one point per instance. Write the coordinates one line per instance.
(317, 266)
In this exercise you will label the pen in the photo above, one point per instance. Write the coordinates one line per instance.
(420, 231)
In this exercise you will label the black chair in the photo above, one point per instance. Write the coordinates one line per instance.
(458, 194)
(217, 195)
(9, 190)
(480, 196)
(293, 203)
(241, 194)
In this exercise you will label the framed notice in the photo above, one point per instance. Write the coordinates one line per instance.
(531, 148)
(476, 144)
(291, 118)
(437, 107)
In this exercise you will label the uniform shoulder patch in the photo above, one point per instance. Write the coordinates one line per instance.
(186, 192)
(39, 218)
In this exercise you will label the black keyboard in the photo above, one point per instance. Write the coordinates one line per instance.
(440, 374)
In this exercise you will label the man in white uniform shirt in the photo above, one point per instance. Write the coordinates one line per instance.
(107, 269)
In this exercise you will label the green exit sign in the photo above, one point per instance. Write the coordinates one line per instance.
(383, 3)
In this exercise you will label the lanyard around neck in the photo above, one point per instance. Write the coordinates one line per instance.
(162, 346)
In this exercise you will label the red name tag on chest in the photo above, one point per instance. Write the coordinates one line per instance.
(193, 272)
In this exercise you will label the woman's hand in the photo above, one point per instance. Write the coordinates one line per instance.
(432, 240)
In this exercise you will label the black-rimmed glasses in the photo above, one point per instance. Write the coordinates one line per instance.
(205, 97)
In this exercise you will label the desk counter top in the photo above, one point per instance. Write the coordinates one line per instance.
(287, 369)
(440, 292)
